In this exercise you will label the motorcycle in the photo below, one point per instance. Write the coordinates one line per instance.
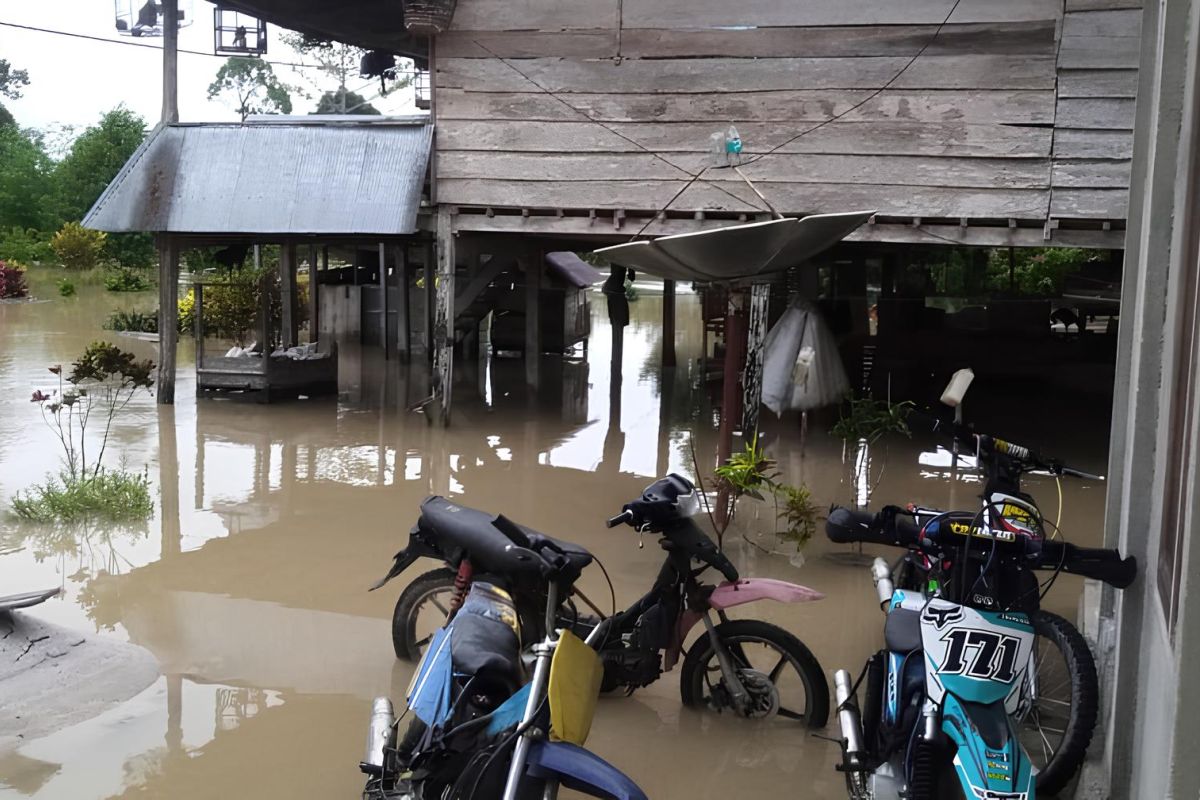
(945, 699)
(744, 666)
(482, 727)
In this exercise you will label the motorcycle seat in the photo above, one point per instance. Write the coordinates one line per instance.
(902, 630)
(456, 527)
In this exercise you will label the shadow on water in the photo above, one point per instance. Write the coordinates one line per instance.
(249, 584)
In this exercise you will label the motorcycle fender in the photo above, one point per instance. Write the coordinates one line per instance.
(582, 771)
(989, 760)
(417, 548)
(736, 593)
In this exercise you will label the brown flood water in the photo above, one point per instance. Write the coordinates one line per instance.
(249, 583)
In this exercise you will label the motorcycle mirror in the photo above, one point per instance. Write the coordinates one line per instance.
(956, 389)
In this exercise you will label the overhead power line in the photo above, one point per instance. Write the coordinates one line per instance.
(130, 43)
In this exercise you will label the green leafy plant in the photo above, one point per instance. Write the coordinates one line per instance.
(112, 494)
(66, 288)
(126, 279)
(24, 245)
(132, 321)
(12, 281)
(798, 512)
(77, 247)
(749, 472)
(867, 419)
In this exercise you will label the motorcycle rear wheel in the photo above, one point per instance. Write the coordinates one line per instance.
(760, 650)
(425, 602)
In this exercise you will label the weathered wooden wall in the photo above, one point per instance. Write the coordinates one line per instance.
(1016, 109)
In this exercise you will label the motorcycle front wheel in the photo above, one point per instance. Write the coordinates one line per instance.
(781, 675)
(1057, 727)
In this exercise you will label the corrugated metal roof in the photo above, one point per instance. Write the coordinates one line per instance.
(297, 178)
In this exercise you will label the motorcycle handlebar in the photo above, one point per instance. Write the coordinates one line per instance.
(890, 526)
(624, 516)
(1099, 563)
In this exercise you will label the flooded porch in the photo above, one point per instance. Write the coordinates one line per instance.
(249, 583)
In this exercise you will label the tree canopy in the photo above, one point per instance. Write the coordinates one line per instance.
(251, 87)
(94, 159)
(344, 101)
(25, 180)
(12, 80)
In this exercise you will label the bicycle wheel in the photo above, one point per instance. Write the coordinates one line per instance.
(781, 675)
(1057, 727)
(421, 609)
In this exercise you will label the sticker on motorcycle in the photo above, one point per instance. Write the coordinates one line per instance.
(981, 654)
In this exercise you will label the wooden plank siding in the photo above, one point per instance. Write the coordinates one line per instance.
(1012, 110)
(1097, 84)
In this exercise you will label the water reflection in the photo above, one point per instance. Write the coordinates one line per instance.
(249, 584)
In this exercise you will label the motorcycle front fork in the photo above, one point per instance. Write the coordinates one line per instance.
(729, 673)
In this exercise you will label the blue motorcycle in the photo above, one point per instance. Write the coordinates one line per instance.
(945, 699)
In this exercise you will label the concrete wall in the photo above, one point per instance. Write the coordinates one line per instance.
(1152, 702)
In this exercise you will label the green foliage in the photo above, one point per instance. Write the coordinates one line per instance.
(798, 512)
(344, 101)
(749, 472)
(12, 281)
(232, 301)
(104, 379)
(251, 87)
(27, 246)
(66, 288)
(25, 180)
(131, 249)
(869, 419)
(126, 279)
(109, 494)
(12, 80)
(77, 247)
(132, 321)
(94, 159)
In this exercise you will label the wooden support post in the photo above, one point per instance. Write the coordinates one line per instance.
(402, 323)
(430, 316)
(752, 377)
(264, 306)
(170, 105)
(443, 329)
(198, 322)
(385, 340)
(168, 483)
(287, 290)
(168, 316)
(314, 296)
(735, 337)
(533, 317)
(668, 332)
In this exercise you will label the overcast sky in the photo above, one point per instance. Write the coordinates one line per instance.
(73, 81)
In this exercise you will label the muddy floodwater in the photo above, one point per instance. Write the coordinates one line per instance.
(249, 584)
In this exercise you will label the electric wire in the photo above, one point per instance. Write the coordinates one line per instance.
(105, 40)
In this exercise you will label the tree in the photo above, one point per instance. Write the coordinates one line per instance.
(94, 159)
(252, 87)
(344, 102)
(340, 62)
(25, 175)
(12, 80)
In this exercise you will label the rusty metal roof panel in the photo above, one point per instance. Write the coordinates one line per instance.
(279, 178)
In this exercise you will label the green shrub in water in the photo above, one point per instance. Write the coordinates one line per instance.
(126, 279)
(66, 288)
(77, 247)
(111, 494)
(135, 321)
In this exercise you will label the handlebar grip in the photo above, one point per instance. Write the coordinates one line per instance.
(624, 516)
(1074, 473)
(891, 527)
(1099, 563)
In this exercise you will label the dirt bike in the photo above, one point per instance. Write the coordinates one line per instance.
(946, 700)
(482, 727)
(752, 668)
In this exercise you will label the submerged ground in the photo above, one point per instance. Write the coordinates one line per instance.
(248, 586)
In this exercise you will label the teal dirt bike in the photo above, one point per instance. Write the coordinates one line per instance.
(947, 699)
